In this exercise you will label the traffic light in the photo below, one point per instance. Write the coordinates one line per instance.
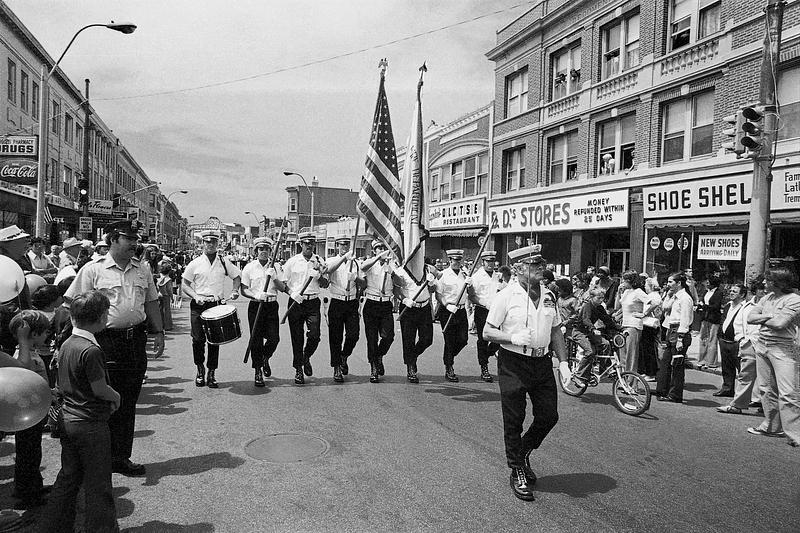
(735, 133)
(753, 128)
(83, 191)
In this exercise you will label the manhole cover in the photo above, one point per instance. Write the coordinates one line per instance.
(286, 448)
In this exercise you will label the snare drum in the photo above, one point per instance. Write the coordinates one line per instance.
(221, 324)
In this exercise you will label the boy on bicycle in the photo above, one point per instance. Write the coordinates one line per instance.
(585, 335)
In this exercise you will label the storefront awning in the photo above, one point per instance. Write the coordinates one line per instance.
(456, 232)
(779, 217)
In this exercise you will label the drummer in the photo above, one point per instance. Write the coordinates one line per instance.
(204, 282)
(263, 305)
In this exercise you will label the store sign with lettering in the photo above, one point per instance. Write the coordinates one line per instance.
(19, 171)
(720, 196)
(586, 211)
(725, 247)
(100, 206)
(19, 146)
(465, 213)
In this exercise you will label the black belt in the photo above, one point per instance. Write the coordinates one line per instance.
(126, 333)
(728, 341)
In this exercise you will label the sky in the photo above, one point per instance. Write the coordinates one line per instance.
(294, 107)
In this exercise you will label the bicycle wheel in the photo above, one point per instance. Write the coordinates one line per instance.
(572, 387)
(631, 394)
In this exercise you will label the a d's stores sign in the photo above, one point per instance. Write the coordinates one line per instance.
(18, 164)
(600, 210)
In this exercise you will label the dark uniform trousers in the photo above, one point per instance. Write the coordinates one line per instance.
(28, 480)
(416, 330)
(342, 323)
(485, 348)
(378, 328)
(264, 335)
(729, 354)
(199, 336)
(456, 335)
(670, 378)
(520, 376)
(306, 313)
(126, 361)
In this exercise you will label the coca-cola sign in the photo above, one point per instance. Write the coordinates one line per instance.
(19, 171)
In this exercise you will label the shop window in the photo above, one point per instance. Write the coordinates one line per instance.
(457, 176)
(789, 118)
(434, 186)
(513, 169)
(35, 100)
(688, 127)
(620, 46)
(565, 68)
(617, 142)
(517, 93)
(12, 82)
(563, 155)
(24, 83)
(691, 20)
(483, 175)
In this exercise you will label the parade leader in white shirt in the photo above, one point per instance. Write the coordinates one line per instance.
(524, 320)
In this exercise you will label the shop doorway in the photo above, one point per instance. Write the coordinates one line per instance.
(617, 259)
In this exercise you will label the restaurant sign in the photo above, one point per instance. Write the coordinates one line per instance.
(464, 213)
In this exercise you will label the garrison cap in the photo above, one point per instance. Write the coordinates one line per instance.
(527, 254)
(376, 243)
(209, 234)
(127, 227)
(262, 241)
(489, 255)
(455, 253)
(307, 236)
(342, 240)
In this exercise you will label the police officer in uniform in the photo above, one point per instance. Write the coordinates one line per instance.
(204, 282)
(344, 275)
(378, 316)
(485, 284)
(524, 320)
(298, 270)
(448, 288)
(264, 334)
(416, 317)
(134, 303)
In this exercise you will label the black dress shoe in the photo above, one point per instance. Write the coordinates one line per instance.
(412, 374)
(298, 377)
(259, 379)
(267, 369)
(450, 374)
(485, 375)
(345, 369)
(211, 380)
(668, 399)
(529, 473)
(381, 370)
(200, 379)
(307, 368)
(337, 374)
(373, 375)
(127, 468)
(520, 486)
(723, 394)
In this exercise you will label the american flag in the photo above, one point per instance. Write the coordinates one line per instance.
(379, 200)
(48, 217)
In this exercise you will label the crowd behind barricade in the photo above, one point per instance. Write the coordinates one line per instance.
(750, 331)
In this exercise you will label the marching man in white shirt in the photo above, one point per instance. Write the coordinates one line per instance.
(378, 317)
(485, 284)
(303, 271)
(204, 283)
(524, 320)
(345, 278)
(448, 288)
(264, 334)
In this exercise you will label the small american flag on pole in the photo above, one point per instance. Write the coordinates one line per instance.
(379, 199)
(48, 217)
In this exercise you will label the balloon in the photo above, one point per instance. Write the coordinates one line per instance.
(34, 282)
(24, 398)
(12, 279)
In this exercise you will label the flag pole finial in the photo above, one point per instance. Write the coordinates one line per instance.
(382, 66)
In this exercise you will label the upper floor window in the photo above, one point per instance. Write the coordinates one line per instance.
(434, 182)
(68, 128)
(620, 46)
(513, 169)
(35, 100)
(789, 123)
(563, 151)
(56, 120)
(688, 127)
(23, 90)
(517, 93)
(460, 179)
(616, 139)
(691, 20)
(566, 68)
(12, 82)
(79, 137)
(292, 205)
(457, 179)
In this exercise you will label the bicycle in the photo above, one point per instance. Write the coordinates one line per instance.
(630, 391)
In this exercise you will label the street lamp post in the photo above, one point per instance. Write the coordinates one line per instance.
(164, 209)
(44, 108)
(310, 191)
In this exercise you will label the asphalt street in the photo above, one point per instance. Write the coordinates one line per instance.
(396, 456)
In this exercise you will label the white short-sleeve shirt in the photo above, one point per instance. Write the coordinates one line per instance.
(449, 286)
(379, 280)
(208, 279)
(511, 311)
(341, 286)
(254, 275)
(296, 271)
(485, 286)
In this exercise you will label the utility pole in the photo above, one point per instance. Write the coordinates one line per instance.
(758, 234)
(87, 172)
